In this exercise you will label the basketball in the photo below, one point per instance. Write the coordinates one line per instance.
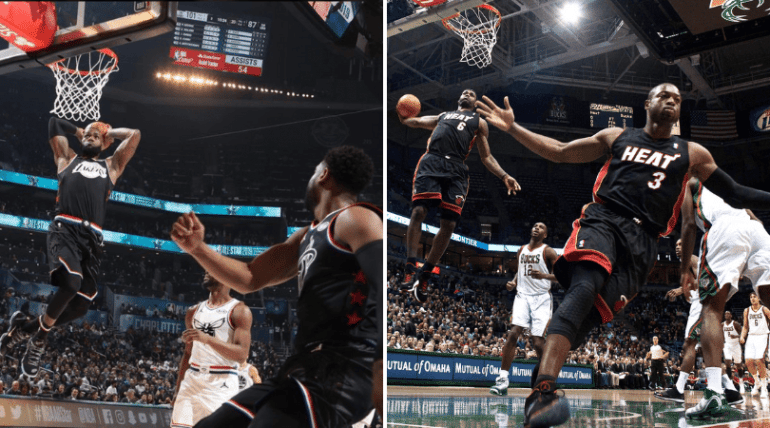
(408, 106)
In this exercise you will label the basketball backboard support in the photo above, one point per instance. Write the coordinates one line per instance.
(88, 26)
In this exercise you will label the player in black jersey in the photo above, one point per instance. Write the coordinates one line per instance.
(75, 234)
(338, 262)
(613, 246)
(441, 180)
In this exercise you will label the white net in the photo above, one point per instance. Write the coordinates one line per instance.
(78, 91)
(478, 27)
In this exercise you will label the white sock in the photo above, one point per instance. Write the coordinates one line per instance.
(503, 373)
(714, 376)
(681, 382)
(727, 383)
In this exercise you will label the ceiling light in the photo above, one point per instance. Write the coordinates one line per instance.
(571, 13)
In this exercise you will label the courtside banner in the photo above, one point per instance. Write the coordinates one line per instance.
(429, 369)
(29, 412)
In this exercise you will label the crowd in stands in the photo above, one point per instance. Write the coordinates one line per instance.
(98, 364)
(470, 314)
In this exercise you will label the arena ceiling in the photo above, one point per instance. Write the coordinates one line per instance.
(619, 47)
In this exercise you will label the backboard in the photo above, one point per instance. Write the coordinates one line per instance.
(87, 26)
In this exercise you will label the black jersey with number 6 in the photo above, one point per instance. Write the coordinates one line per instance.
(455, 134)
(645, 178)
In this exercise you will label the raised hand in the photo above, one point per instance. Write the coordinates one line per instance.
(188, 232)
(501, 119)
(511, 184)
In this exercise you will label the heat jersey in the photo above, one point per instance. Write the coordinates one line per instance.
(644, 178)
(729, 329)
(455, 134)
(758, 321)
(709, 207)
(336, 303)
(214, 321)
(530, 260)
(84, 186)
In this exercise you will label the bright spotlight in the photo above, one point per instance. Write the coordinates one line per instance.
(571, 13)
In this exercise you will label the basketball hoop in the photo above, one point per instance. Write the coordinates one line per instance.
(78, 91)
(478, 27)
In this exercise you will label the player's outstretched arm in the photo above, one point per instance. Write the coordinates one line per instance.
(424, 122)
(688, 236)
(57, 138)
(125, 151)
(577, 151)
(490, 162)
(745, 331)
(238, 349)
(276, 265)
(703, 167)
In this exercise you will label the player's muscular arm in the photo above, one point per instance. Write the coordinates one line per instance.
(703, 167)
(57, 138)
(184, 364)
(276, 265)
(125, 151)
(688, 236)
(511, 285)
(424, 122)
(490, 162)
(550, 259)
(577, 151)
(745, 331)
(238, 349)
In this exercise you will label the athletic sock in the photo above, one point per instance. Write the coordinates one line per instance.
(727, 383)
(714, 377)
(503, 373)
(682, 382)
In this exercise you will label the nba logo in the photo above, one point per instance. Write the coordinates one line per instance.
(582, 242)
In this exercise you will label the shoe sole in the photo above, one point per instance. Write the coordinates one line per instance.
(498, 393)
(733, 403)
(555, 414)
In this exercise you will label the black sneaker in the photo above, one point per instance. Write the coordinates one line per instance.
(733, 397)
(418, 288)
(14, 335)
(30, 362)
(671, 394)
(544, 407)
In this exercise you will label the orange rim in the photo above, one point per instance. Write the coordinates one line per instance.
(449, 26)
(106, 51)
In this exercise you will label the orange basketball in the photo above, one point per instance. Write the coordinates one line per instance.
(408, 106)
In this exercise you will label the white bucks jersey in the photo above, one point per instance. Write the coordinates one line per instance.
(214, 321)
(758, 321)
(729, 329)
(709, 207)
(526, 285)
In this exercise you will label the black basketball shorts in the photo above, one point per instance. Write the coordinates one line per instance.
(620, 246)
(77, 249)
(323, 388)
(443, 179)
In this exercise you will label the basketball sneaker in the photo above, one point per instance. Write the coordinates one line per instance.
(418, 287)
(712, 404)
(544, 407)
(14, 335)
(733, 397)
(500, 387)
(30, 362)
(671, 394)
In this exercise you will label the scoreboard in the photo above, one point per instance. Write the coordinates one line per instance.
(611, 116)
(205, 40)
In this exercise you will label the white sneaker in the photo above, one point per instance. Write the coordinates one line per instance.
(754, 390)
(763, 392)
(500, 387)
(742, 389)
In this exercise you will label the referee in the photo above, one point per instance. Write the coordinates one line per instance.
(657, 355)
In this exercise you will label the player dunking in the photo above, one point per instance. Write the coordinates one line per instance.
(755, 318)
(732, 245)
(338, 260)
(217, 339)
(533, 305)
(732, 352)
(613, 245)
(75, 235)
(441, 180)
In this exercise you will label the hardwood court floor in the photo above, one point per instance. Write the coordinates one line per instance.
(456, 407)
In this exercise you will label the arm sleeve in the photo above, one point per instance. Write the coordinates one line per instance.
(737, 195)
(369, 257)
(57, 127)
